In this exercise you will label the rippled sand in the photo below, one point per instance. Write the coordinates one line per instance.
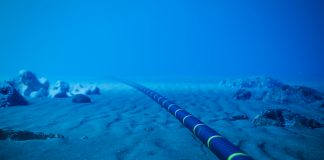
(122, 123)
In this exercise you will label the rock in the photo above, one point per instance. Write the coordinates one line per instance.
(40, 93)
(322, 105)
(9, 96)
(93, 90)
(242, 94)
(284, 118)
(27, 82)
(84, 137)
(44, 82)
(271, 91)
(292, 94)
(251, 82)
(81, 98)
(238, 117)
(60, 90)
(25, 135)
(80, 89)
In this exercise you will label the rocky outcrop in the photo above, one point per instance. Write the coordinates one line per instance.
(269, 90)
(284, 118)
(59, 90)
(25, 135)
(242, 94)
(80, 98)
(9, 96)
(28, 85)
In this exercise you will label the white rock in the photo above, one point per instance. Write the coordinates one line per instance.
(60, 90)
(40, 93)
(93, 90)
(44, 82)
(28, 83)
(79, 89)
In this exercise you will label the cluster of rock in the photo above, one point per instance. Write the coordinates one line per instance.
(284, 118)
(26, 135)
(270, 90)
(27, 85)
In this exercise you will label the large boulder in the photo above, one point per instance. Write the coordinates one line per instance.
(28, 84)
(269, 90)
(59, 90)
(81, 98)
(79, 89)
(284, 118)
(9, 96)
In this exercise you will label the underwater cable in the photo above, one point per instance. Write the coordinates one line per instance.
(220, 146)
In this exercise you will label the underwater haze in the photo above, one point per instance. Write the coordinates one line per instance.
(162, 80)
(164, 38)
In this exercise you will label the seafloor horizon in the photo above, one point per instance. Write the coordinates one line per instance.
(266, 118)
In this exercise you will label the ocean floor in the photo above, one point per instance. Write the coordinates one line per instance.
(124, 124)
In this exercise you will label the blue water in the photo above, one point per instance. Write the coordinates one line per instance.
(164, 38)
(194, 43)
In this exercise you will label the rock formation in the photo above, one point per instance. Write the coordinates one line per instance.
(270, 90)
(28, 85)
(284, 118)
(59, 90)
(9, 96)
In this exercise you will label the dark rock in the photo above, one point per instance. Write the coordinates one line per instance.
(242, 94)
(84, 137)
(25, 135)
(236, 117)
(284, 118)
(9, 96)
(81, 98)
(60, 90)
(322, 105)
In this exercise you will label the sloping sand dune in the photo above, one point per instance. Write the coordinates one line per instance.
(122, 123)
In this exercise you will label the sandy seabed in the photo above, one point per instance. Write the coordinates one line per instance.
(124, 124)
